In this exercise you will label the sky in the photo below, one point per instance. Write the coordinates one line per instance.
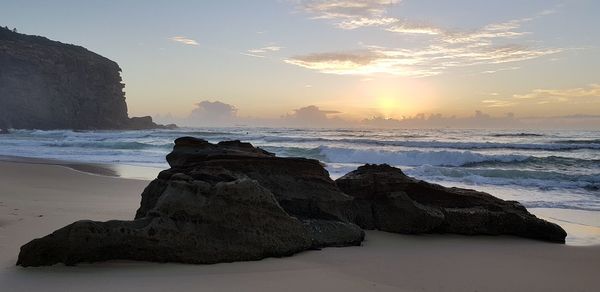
(338, 62)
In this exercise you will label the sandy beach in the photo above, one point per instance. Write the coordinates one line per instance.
(36, 199)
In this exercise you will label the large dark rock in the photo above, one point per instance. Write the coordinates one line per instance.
(302, 186)
(193, 221)
(209, 209)
(231, 201)
(388, 200)
(46, 84)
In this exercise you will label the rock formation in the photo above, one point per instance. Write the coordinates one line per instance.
(194, 221)
(231, 201)
(302, 186)
(46, 84)
(218, 203)
(388, 200)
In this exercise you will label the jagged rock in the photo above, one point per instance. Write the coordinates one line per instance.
(231, 201)
(388, 200)
(192, 221)
(46, 84)
(218, 205)
(302, 186)
(190, 151)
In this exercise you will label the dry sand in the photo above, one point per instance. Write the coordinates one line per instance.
(37, 199)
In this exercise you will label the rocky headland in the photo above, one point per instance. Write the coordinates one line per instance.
(231, 201)
(45, 84)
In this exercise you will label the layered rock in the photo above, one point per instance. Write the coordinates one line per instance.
(386, 199)
(302, 186)
(46, 84)
(193, 221)
(231, 201)
(218, 203)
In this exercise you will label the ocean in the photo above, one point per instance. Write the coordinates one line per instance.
(540, 169)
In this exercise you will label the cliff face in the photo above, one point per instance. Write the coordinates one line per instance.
(46, 84)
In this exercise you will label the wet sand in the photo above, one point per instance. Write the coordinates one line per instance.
(36, 199)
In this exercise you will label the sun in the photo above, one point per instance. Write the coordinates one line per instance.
(387, 105)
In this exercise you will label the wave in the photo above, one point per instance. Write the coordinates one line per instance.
(314, 153)
(118, 134)
(575, 141)
(411, 157)
(543, 180)
(198, 133)
(487, 145)
(587, 205)
(405, 140)
(516, 135)
(556, 162)
(440, 144)
(109, 145)
(466, 159)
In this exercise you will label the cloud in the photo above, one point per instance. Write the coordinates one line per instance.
(494, 31)
(213, 113)
(184, 40)
(441, 48)
(481, 120)
(420, 62)
(252, 55)
(501, 69)
(312, 111)
(366, 21)
(589, 94)
(266, 49)
(593, 90)
(312, 116)
(340, 63)
(412, 28)
(220, 114)
(346, 9)
(498, 103)
(351, 14)
(477, 120)
(260, 52)
(309, 115)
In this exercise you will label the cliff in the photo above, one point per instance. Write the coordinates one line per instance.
(46, 84)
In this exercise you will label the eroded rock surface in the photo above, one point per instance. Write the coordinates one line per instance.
(388, 200)
(231, 201)
(192, 222)
(302, 186)
(218, 203)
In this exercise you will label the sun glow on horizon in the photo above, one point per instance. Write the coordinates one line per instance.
(388, 106)
(393, 98)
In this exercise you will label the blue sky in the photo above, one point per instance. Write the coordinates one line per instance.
(361, 58)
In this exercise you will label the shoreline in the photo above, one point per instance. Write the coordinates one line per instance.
(582, 226)
(89, 168)
(39, 198)
(102, 169)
